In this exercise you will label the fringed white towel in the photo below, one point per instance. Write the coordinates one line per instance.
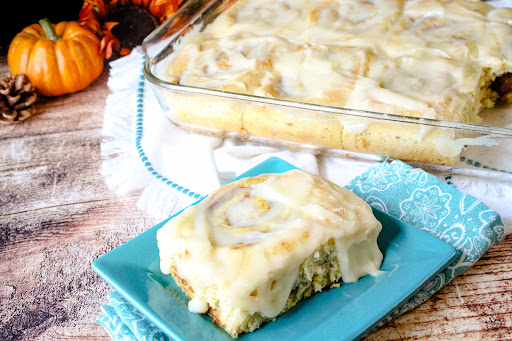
(142, 149)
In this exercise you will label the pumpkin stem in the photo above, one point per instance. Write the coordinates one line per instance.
(49, 30)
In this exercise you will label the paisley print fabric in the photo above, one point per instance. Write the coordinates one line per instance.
(429, 204)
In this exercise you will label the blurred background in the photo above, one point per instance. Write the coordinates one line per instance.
(20, 14)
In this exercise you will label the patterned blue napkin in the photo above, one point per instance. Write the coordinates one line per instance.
(123, 322)
(423, 201)
(406, 193)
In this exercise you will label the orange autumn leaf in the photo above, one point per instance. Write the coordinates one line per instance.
(109, 43)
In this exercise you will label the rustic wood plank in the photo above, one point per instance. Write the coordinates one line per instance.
(77, 111)
(475, 306)
(51, 169)
(47, 281)
(85, 332)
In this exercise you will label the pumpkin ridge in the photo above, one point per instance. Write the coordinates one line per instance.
(93, 54)
(43, 75)
(35, 31)
(61, 29)
(88, 62)
(16, 51)
(67, 65)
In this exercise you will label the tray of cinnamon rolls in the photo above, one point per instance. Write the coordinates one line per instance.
(425, 81)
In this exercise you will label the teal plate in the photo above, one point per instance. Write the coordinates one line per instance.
(411, 258)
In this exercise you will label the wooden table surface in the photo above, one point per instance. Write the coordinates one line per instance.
(57, 216)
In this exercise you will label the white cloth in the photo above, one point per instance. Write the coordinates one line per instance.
(202, 164)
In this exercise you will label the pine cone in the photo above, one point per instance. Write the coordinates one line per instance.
(17, 98)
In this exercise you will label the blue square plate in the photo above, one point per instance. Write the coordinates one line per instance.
(411, 258)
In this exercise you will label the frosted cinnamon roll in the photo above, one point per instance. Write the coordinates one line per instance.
(262, 17)
(349, 22)
(233, 63)
(317, 74)
(460, 29)
(254, 248)
(423, 85)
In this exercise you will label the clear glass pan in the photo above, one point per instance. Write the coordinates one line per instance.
(484, 149)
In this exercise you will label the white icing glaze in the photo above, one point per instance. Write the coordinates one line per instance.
(355, 125)
(249, 239)
(198, 306)
(449, 147)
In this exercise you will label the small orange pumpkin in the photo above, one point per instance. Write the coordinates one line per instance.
(58, 59)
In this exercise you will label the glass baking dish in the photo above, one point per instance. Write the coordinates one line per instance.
(480, 149)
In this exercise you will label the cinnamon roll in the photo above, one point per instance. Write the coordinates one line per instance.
(254, 248)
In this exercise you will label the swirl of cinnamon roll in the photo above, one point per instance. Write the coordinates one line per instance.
(458, 29)
(335, 21)
(264, 17)
(241, 216)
